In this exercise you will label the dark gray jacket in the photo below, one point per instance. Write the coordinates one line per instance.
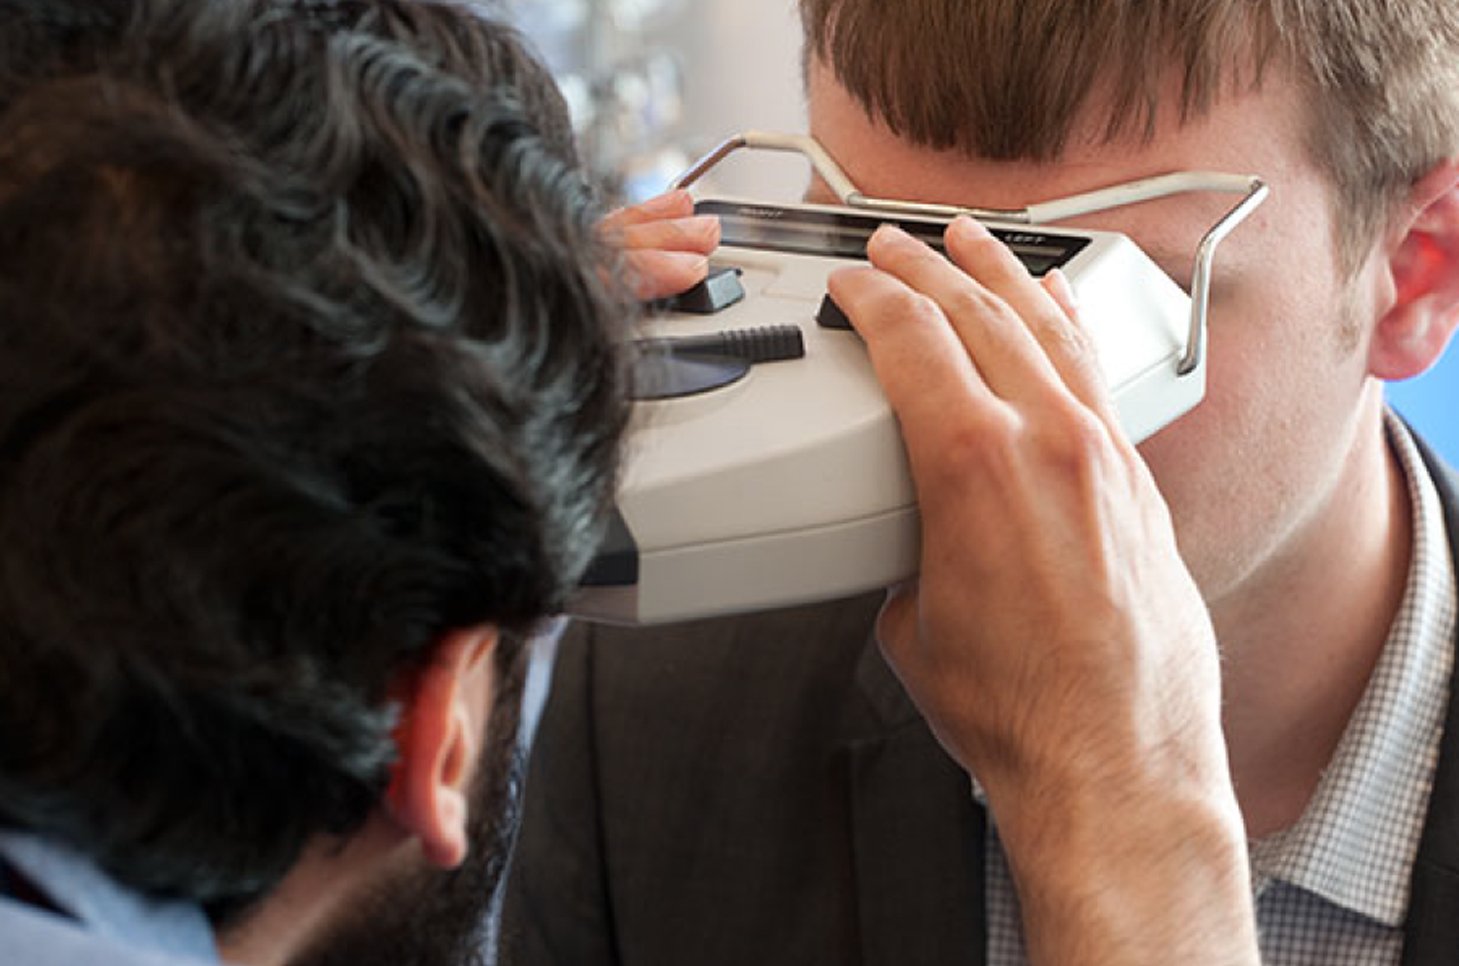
(760, 791)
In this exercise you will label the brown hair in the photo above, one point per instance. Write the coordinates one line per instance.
(1007, 79)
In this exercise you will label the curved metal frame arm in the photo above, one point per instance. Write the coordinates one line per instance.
(1046, 212)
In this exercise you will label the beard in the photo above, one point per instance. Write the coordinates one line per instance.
(435, 917)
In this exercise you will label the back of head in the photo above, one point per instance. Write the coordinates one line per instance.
(306, 357)
(1010, 79)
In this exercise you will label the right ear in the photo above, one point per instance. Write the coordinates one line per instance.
(1424, 266)
(438, 740)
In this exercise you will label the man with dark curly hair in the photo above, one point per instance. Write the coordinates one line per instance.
(310, 395)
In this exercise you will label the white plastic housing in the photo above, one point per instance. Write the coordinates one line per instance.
(792, 485)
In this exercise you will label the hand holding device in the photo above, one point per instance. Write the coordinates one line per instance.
(1054, 640)
(666, 245)
(753, 484)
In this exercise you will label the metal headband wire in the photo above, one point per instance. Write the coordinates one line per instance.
(1046, 212)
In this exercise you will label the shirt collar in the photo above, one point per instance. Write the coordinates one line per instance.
(1356, 843)
(75, 885)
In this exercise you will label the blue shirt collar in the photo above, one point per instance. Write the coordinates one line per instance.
(76, 886)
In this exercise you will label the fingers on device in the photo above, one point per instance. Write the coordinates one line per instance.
(764, 467)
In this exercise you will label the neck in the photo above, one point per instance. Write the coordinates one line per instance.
(1301, 636)
(312, 896)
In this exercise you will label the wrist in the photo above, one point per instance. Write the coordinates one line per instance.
(1131, 875)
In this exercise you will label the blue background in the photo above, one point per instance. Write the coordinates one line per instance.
(1431, 404)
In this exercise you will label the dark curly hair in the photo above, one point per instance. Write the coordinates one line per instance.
(307, 355)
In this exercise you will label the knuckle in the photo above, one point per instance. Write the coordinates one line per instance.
(1075, 341)
(912, 306)
(1072, 350)
(635, 237)
(1006, 447)
(976, 303)
(712, 231)
(982, 444)
(695, 233)
(849, 282)
(1085, 433)
(1075, 440)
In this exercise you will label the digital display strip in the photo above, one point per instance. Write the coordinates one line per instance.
(838, 235)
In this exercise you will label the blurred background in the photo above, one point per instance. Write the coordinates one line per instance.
(654, 84)
(1431, 402)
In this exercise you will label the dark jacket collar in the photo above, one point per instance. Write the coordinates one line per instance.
(1431, 934)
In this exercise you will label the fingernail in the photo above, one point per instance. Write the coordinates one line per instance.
(704, 224)
(1060, 281)
(968, 226)
(889, 234)
(670, 200)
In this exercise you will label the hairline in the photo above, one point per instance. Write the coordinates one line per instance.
(1351, 240)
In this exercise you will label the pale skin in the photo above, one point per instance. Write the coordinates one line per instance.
(420, 822)
(1063, 654)
(1062, 641)
(666, 245)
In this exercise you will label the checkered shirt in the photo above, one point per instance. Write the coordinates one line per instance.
(1333, 889)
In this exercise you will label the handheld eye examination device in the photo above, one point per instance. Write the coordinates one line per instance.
(764, 467)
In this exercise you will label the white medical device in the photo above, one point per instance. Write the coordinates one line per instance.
(764, 466)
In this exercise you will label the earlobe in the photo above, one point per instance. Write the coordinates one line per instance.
(1424, 265)
(444, 709)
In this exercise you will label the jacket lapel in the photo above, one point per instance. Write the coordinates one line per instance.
(1431, 933)
(917, 835)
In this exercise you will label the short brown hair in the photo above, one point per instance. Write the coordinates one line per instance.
(1006, 79)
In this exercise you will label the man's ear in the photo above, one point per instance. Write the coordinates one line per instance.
(445, 705)
(1424, 264)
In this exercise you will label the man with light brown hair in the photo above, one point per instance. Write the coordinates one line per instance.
(1202, 687)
